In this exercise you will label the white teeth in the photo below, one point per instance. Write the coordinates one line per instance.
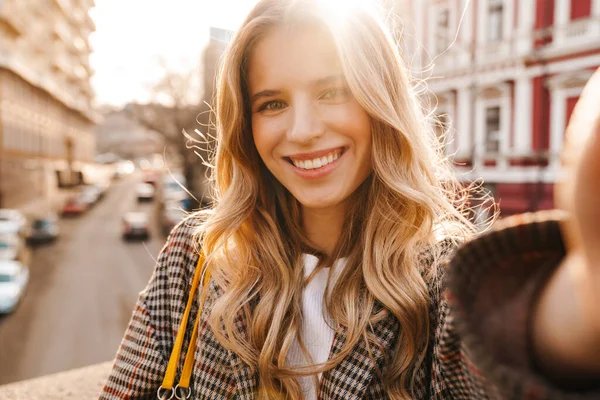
(317, 162)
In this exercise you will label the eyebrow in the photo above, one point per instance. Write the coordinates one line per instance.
(328, 79)
(264, 93)
(273, 93)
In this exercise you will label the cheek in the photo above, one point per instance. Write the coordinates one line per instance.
(265, 139)
(355, 123)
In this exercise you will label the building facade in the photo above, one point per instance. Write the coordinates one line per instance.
(504, 76)
(46, 113)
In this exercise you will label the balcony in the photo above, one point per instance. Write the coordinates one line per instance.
(62, 32)
(584, 31)
(78, 47)
(80, 73)
(63, 69)
(576, 29)
(9, 21)
(64, 6)
(493, 52)
(454, 59)
(79, 15)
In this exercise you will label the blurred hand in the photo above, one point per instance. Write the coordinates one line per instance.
(567, 321)
(578, 190)
(578, 193)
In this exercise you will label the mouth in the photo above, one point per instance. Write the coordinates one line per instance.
(317, 161)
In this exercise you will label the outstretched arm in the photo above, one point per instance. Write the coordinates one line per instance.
(566, 322)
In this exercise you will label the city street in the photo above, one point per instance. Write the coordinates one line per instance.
(81, 293)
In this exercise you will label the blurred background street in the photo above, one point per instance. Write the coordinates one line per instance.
(95, 169)
(81, 291)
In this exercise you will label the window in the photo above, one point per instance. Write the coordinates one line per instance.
(492, 129)
(495, 31)
(442, 30)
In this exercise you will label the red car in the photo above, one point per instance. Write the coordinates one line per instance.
(74, 206)
(151, 177)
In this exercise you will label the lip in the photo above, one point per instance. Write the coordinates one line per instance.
(319, 172)
(315, 154)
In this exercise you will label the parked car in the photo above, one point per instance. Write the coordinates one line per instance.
(171, 214)
(151, 177)
(89, 195)
(74, 206)
(12, 221)
(144, 192)
(102, 188)
(43, 229)
(14, 277)
(136, 225)
(10, 246)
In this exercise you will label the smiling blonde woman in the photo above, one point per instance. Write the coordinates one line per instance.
(326, 268)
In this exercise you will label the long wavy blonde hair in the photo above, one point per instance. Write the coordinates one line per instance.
(253, 236)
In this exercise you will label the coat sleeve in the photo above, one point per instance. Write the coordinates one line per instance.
(142, 357)
(482, 345)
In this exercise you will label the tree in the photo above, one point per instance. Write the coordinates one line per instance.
(182, 119)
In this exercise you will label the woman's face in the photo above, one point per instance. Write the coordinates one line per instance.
(309, 130)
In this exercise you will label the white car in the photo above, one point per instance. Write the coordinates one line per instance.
(136, 225)
(173, 186)
(14, 277)
(144, 191)
(89, 195)
(12, 221)
(10, 246)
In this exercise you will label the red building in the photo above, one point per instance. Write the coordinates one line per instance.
(505, 75)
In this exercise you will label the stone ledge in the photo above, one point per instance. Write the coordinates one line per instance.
(81, 384)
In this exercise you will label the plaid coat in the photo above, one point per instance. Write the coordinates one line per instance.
(478, 348)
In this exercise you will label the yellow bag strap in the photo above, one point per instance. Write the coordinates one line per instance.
(166, 390)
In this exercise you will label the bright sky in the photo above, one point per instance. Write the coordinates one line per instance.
(132, 35)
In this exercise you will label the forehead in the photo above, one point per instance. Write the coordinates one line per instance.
(292, 57)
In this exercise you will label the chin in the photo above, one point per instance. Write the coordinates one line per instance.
(318, 202)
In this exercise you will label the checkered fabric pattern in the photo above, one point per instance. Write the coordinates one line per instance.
(478, 348)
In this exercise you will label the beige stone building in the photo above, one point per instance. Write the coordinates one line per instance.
(46, 114)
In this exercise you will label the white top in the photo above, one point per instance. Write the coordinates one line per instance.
(316, 331)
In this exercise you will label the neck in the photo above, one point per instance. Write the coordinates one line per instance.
(323, 227)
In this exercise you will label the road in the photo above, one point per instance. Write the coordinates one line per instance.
(81, 293)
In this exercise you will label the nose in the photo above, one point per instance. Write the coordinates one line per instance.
(307, 123)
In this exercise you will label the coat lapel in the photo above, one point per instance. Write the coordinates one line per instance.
(350, 379)
(212, 379)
